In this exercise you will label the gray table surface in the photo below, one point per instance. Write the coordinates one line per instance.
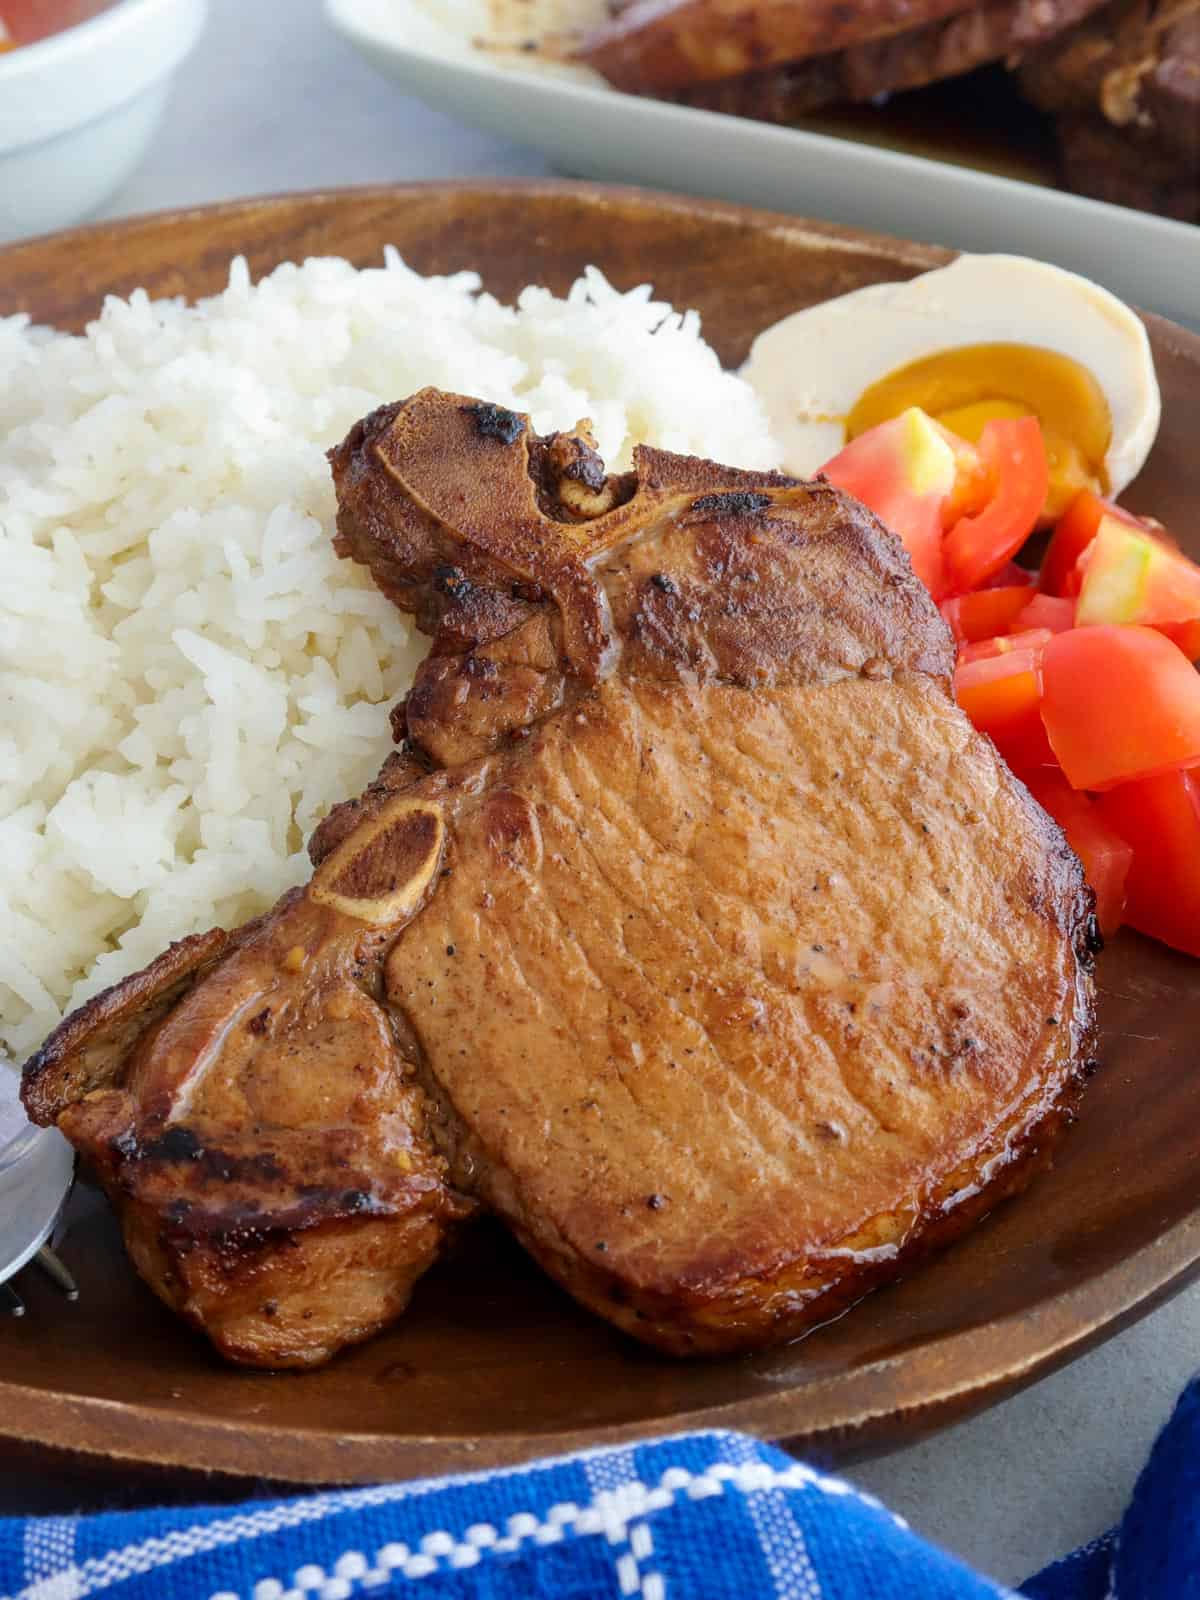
(273, 101)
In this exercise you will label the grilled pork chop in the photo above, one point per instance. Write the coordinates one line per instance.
(1136, 64)
(693, 931)
(1125, 92)
(648, 46)
(945, 48)
(777, 59)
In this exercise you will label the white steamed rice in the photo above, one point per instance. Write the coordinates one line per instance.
(189, 678)
(497, 33)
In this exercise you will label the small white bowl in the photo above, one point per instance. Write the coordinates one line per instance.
(36, 1168)
(78, 109)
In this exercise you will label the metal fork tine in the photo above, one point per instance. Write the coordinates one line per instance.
(11, 1300)
(52, 1265)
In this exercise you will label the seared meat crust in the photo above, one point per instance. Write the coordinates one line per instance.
(1136, 64)
(780, 62)
(1125, 91)
(693, 930)
(652, 45)
(998, 30)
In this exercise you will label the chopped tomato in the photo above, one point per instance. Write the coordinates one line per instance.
(1160, 819)
(1075, 531)
(1105, 855)
(1119, 703)
(1184, 634)
(1046, 611)
(976, 546)
(987, 612)
(1010, 576)
(904, 470)
(1035, 639)
(1001, 694)
(974, 482)
(1130, 575)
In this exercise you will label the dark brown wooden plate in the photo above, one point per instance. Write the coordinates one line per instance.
(493, 1363)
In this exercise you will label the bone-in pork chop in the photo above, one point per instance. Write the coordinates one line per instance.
(692, 930)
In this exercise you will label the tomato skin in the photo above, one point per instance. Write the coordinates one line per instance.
(1046, 611)
(1130, 574)
(1075, 530)
(1002, 694)
(1159, 818)
(1184, 634)
(904, 470)
(1010, 576)
(985, 613)
(1119, 703)
(1105, 854)
(1012, 448)
(1032, 639)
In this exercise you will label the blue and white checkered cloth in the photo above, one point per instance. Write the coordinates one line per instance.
(708, 1516)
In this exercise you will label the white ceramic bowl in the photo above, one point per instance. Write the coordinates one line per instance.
(78, 110)
(36, 1168)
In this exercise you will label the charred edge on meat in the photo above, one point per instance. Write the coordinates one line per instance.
(494, 422)
(735, 503)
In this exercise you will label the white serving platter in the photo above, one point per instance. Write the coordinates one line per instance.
(596, 132)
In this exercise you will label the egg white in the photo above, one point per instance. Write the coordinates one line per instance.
(811, 368)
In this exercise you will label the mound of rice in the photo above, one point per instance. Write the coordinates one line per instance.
(496, 32)
(190, 676)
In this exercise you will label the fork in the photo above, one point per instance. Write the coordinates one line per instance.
(52, 1265)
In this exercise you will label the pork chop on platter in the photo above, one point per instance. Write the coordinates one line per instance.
(778, 59)
(1125, 93)
(947, 47)
(692, 930)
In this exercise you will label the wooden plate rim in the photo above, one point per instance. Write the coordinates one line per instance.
(1001, 1356)
(752, 217)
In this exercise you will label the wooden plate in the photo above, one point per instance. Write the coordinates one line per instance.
(493, 1363)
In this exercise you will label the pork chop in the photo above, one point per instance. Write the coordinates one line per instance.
(997, 30)
(692, 930)
(1136, 65)
(1125, 93)
(777, 61)
(648, 46)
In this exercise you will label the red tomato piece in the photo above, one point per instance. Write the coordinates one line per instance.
(1128, 574)
(1046, 611)
(1035, 639)
(1119, 703)
(987, 612)
(1184, 634)
(1002, 694)
(1104, 852)
(1009, 576)
(1075, 531)
(974, 483)
(1160, 819)
(977, 546)
(904, 470)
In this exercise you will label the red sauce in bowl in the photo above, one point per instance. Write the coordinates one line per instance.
(23, 21)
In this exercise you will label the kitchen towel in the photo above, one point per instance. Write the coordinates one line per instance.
(703, 1516)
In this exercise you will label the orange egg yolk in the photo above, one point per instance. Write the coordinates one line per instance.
(965, 388)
